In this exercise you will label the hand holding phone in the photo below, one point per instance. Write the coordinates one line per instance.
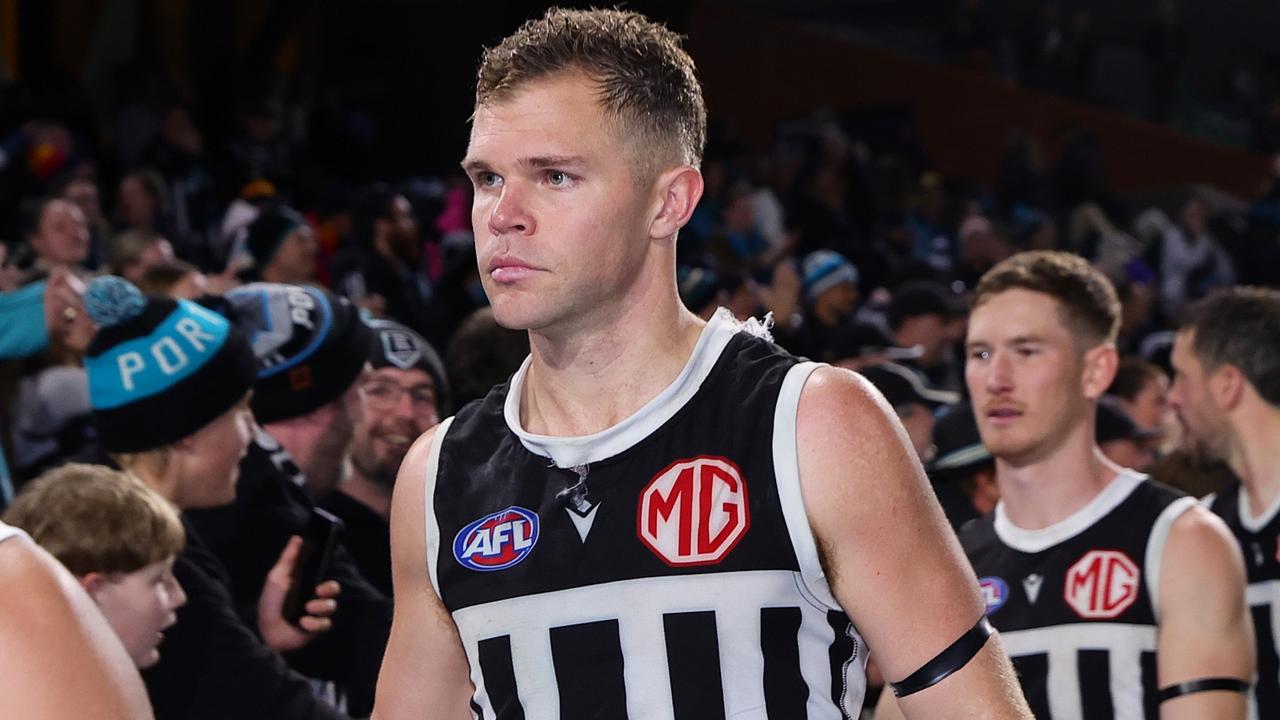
(296, 601)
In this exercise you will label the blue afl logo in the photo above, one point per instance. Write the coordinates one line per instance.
(497, 541)
(994, 592)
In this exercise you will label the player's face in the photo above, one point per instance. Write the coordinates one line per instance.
(213, 453)
(400, 405)
(1190, 398)
(559, 217)
(139, 606)
(1025, 375)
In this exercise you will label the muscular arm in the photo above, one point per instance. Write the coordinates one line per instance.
(1205, 627)
(425, 672)
(60, 656)
(890, 558)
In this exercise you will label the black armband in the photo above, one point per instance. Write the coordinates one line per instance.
(1229, 684)
(956, 656)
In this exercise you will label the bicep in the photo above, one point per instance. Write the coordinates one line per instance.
(1205, 626)
(891, 560)
(425, 669)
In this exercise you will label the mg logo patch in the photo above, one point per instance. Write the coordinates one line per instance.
(1102, 584)
(995, 592)
(694, 511)
(497, 541)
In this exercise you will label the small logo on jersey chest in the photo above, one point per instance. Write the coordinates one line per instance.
(1102, 584)
(694, 511)
(995, 592)
(1031, 584)
(497, 541)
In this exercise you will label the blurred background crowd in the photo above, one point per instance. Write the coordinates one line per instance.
(867, 162)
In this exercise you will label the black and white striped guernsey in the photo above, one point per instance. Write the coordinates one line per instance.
(663, 568)
(1075, 603)
(1257, 537)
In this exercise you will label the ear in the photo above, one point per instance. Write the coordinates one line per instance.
(678, 193)
(1099, 370)
(92, 582)
(1226, 386)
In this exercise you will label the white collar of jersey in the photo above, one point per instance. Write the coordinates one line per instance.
(1034, 541)
(1251, 523)
(567, 452)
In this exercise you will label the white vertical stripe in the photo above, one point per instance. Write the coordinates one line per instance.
(535, 672)
(1155, 547)
(648, 691)
(741, 661)
(816, 636)
(1064, 684)
(1126, 681)
(428, 493)
(481, 694)
(786, 469)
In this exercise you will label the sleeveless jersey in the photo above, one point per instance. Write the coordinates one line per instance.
(1257, 538)
(9, 531)
(1075, 603)
(663, 568)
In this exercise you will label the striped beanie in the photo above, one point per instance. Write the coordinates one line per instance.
(159, 369)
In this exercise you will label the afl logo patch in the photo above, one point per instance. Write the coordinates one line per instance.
(497, 541)
(994, 592)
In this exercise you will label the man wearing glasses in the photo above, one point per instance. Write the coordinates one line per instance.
(405, 395)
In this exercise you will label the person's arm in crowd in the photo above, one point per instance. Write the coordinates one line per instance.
(24, 327)
(212, 665)
(889, 556)
(59, 655)
(1205, 627)
(425, 675)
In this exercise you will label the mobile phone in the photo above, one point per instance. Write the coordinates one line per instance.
(319, 543)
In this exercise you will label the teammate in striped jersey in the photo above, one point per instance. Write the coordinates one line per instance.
(545, 563)
(1117, 598)
(1226, 391)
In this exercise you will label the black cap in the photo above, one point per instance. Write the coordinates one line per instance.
(268, 231)
(959, 445)
(311, 346)
(901, 385)
(397, 346)
(919, 297)
(1115, 424)
(860, 339)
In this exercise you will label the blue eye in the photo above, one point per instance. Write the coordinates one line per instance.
(558, 178)
(487, 179)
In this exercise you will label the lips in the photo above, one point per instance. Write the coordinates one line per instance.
(507, 268)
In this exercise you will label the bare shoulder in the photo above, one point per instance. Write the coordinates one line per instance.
(59, 651)
(408, 498)
(1201, 546)
(1200, 538)
(848, 435)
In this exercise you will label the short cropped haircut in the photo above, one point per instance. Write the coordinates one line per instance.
(1239, 326)
(1132, 375)
(95, 519)
(1087, 300)
(647, 84)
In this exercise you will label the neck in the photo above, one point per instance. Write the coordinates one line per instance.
(373, 495)
(1048, 490)
(587, 381)
(1254, 453)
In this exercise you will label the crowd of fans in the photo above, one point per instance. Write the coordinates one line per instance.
(251, 352)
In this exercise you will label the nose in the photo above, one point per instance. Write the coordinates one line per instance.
(177, 596)
(511, 213)
(999, 374)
